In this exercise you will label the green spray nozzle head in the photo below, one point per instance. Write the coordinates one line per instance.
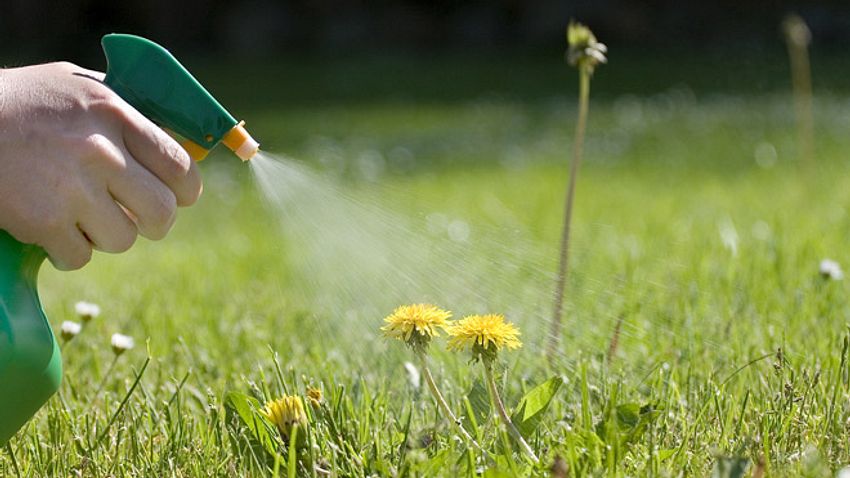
(150, 79)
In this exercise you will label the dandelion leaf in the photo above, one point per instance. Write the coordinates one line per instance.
(245, 408)
(534, 404)
(625, 424)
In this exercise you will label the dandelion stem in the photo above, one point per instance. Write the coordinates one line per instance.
(563, 262)
(441, 402)
(503, 414)
(798, 37)
(105, 377)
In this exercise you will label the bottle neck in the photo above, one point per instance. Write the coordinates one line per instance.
(18, 261)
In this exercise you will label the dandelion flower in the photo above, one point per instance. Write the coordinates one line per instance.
(314, 396)
(285, 413)
(416, 324)
(87, 311)
(484, 334)
(830, 269)
(122, 343)
(69, 330)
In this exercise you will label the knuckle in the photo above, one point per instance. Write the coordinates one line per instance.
(103, 102)
(97, 99)
(100, 148)
(98, 143)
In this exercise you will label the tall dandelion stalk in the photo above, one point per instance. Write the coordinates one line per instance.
(416, 325)
(798, 37)
(585, 53)
(485, 336)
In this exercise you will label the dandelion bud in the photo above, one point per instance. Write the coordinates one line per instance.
(122, 343)
(86, 310)
(69, 330)
(584, 50)
(796, 31)
(314, 396)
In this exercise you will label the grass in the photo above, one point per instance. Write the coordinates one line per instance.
(696, 237)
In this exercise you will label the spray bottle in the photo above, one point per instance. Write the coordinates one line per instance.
(150, 79)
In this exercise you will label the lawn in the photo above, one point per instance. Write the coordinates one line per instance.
(699, 333)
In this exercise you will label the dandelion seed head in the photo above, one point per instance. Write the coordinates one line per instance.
(830, 269)
(69, 330)
(122, 343)
(87, 310)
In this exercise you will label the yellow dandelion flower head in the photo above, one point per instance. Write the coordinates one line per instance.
(415, 322)
(484, 334)
(285, 412)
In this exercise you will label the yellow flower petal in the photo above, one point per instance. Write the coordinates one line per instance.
(484, 330)
(422, 319)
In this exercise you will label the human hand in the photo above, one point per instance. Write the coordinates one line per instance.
(80, 169)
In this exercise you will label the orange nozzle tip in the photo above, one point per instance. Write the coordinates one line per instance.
(240, 142)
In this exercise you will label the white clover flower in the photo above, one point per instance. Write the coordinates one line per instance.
(69, 330)
(86, 310)
(412, 374)
(122, 343)
(843, 473)
(830, 269)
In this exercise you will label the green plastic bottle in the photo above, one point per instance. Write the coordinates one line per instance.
(148, 77)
